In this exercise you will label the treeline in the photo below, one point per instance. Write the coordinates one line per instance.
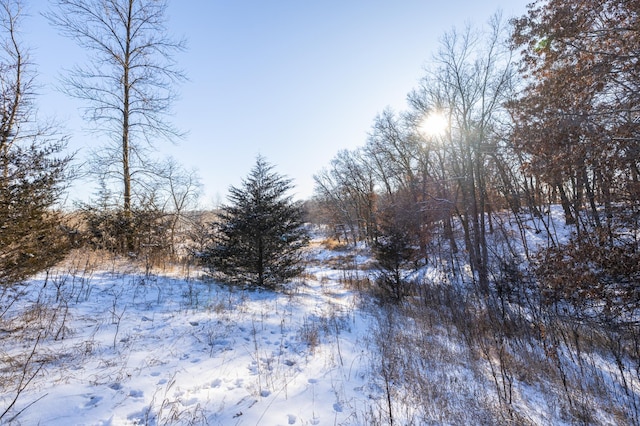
(127, 86)
(145, 207)
(510, 118)
(513, 117)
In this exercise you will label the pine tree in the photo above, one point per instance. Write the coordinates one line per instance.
(31, 236)
(396, 247)
(32, 172)
(258, 237)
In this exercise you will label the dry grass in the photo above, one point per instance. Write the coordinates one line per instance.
(334, 244)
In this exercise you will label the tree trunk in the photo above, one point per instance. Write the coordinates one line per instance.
(126, 171)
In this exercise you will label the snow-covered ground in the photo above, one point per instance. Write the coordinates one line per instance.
(136, 349)
(99, 343)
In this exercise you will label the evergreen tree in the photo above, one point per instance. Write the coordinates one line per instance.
(32, 171)
(31, 236)
(396, 248)
(258, 237)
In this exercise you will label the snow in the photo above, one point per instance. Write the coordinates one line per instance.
(116, 346)
(139, 349)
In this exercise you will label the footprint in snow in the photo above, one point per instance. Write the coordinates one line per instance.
(93, 401)
(136, 394)
(292, 419)
(190, 402)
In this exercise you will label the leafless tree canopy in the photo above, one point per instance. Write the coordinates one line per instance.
(129, 80)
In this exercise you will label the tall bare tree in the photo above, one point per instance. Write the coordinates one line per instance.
(471, 81)
(129, 80)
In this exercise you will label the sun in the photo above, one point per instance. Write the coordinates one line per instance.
(435, 123)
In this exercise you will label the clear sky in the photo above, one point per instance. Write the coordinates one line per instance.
(293, 80)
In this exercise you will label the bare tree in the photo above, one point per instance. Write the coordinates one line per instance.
(392, 151)
(348, 187)
(129, 80)
(472, 79)
(181, 190)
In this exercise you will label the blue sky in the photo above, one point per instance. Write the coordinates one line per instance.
(294, 81)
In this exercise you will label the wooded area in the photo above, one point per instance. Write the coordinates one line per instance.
(511, 122)
(548, 118)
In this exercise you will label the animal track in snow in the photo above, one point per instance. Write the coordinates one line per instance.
(93, 401)
(136, 393)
